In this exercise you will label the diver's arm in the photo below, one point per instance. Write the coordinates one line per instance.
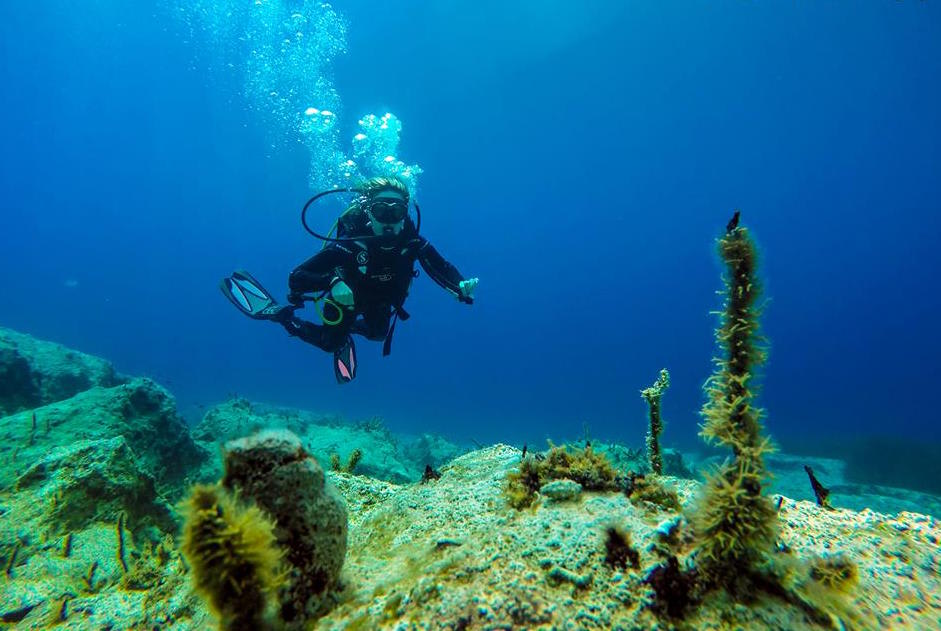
(318, 272)
(442, 272)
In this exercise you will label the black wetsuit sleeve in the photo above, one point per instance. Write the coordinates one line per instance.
(440, 271)
(316, 273)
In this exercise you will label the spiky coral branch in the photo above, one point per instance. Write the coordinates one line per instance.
(652, 396)
(735, 523)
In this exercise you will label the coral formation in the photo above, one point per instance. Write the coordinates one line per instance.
(591, 470)
(736, 524)
(652, 396)
(233, 557)
(273, 469)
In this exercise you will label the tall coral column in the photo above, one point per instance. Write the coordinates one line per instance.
(735, 524)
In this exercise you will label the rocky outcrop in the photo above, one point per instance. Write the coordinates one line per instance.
(383, 455)
(34, 372)
(140, 411)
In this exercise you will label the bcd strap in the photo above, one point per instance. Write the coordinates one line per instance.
(400, 312)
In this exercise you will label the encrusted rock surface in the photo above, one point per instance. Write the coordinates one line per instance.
(450, 554)
(384, 455)
(141, 411)
(86, 520)
(35, 372)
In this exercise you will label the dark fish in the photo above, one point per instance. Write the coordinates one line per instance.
(429, 474)
(733, 222)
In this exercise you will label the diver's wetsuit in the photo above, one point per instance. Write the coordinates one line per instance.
(378, 271)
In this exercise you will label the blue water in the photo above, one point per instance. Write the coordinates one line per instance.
(580, 161)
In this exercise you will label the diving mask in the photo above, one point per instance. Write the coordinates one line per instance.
(388, 207)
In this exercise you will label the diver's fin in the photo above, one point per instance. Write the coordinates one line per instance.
(344, 361)
(250, 297)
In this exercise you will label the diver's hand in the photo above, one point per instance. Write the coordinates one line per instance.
(296, 298)
(342, 294)
(468, 287)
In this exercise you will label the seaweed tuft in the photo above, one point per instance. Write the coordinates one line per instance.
(735, 524)
(232, 551)
(619, 552)
(591, 470)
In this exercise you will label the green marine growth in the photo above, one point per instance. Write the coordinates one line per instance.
(593, 471)
(234, 557)
(735, 524)
(652, 396)
(355, 456)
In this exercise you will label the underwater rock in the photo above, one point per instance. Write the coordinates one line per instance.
(431, 449)
(140, 411)
(89, 481)
(322, 436)
(88, 588)
(89, 485)
(273, 469)
(238, 417)
(563, 490)
(34, 372)
(674, 465)
(452, 555)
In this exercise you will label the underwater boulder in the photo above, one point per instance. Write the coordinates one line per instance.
(232, 419)
(89, 481)
(239, 417)
(273, 469)
(430, 449)
(34, 372)
(141, 411)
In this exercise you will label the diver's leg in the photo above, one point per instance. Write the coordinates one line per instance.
(333, 338)
(375, 323)
(328, 337)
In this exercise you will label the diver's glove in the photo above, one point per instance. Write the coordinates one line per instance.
(341, 293)
(468, 287)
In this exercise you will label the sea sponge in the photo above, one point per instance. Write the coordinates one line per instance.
(311, 523)
(234, 558)
(735, 524)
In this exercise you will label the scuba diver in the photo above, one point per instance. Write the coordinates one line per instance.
(362, 276)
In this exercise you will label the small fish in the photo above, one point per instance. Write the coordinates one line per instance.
(524, 452)
(429, 474)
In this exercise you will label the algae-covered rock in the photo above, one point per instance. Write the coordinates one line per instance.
(273, 469)
(86, 587)
(90, 481)
(563, 490)
(430, 449)
(34, 373)
(322, 436)
(238, 417)
(140, 411)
